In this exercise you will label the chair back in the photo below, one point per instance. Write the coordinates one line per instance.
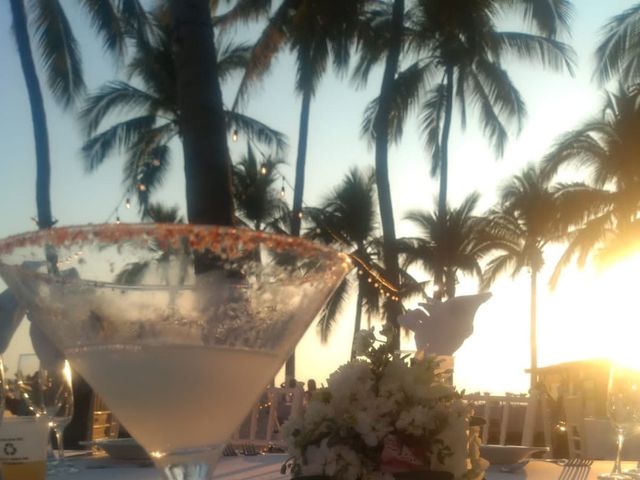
(510, 419)
(574, 423)
(263, 425)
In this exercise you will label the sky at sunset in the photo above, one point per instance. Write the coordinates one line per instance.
(589, 315)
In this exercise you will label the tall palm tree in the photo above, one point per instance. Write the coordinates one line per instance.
(347, 219)
(383, 40)
(618, 53)
(258, 202)
(447, 245)
(526, 219)
(317, 32)
(459, 51)
(156, 117)
(606, 148)
(61, 60)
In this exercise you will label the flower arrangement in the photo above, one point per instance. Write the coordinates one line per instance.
(384, 416)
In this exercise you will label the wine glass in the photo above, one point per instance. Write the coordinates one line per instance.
(178, 327)
(48, 390)
(623, 408)
(57, 395)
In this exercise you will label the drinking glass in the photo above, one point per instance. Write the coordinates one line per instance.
(57, 395)
(48, 391)
(178, 327)
(623, 409)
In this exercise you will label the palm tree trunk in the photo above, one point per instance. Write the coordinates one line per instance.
(533, 328)
(207, 164)
(298, 191)
(444, 142)
(381, 128)
(38, 116)
(301, 161)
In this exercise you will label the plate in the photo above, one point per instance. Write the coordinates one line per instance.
(122, 449)
(508, 454)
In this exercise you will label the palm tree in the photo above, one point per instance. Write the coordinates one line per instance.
(459, 52)
(606, 149)
(61, 58)
(155, 118)
(377, 40)
(317, 32)
(258, 202)
(347, 220)
(527, 218)
(448, 245)
(618, 53)
(159, 213)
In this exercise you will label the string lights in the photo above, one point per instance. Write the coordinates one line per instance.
(386, 288)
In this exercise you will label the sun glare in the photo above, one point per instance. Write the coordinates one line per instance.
(594, 314)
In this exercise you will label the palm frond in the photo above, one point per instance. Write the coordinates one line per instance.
(432, 111)
(551, 17)
(106, 21)
(408, 87)
(137, 22)
(579, 147)
(112, 98)
(329, 313)
(232, 58)
(159, 213)
(503, 95)
(244, 11)
(257, 131)
(120, 136)
(490, 120)
(498, 266)
(59, 50)
(619, 45)
(581, 242)
(548, 52)
(263, 52)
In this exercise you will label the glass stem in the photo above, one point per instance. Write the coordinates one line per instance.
(617, 467)
(59, 431)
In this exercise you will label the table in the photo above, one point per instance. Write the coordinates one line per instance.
(267, 467)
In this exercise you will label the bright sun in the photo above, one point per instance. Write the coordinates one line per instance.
(593, 313)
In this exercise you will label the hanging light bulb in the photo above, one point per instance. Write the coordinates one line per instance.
(263, 169)
(234, 135)
(117, 220)
(142, 187)
(282, 192)
(127, 203)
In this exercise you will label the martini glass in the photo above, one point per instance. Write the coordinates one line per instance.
(178, 327)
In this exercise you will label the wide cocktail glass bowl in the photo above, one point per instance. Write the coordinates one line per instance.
(177, 327)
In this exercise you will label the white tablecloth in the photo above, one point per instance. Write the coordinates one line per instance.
(267, 467)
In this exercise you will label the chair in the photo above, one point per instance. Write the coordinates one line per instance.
(575, 427)
(510, 418)
(262, 427)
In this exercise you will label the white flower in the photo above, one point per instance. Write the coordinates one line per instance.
(415, 421)
(363, 340)
(372, 398)
(455, 437)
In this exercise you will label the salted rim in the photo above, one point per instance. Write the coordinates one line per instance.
(200, 237)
